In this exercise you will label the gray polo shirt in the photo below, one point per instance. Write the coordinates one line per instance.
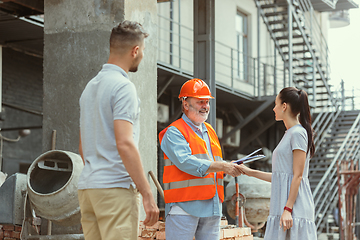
(109, 96)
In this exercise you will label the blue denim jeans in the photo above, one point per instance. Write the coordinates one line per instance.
(185, 227)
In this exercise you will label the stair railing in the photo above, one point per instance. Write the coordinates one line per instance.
(327, 184)
(315, 32)
(325, 120)
(332, 192)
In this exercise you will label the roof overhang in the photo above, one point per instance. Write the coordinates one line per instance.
(323, 5)
(333, 5)
(22, 25)
(345, 5)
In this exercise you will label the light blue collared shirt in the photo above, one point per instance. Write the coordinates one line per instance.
(178, 151)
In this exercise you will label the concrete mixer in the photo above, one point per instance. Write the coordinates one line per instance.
(257, 200)
(49, 191)
(52, 186)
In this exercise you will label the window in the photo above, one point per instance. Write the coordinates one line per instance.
(241, 25)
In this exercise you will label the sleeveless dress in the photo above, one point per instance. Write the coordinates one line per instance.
(304, 227)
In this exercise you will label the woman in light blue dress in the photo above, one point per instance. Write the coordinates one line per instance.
(291, 206)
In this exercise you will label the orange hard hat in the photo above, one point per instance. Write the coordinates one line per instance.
(195, 88)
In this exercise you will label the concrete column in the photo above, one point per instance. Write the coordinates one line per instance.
(145, 12)
(76, 38)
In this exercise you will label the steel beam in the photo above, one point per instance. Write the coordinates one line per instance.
(258, 50)
(37, 5)
(204, 49)
(236, 113)
(249, 118)
(252, 137)
(275, 69)
(290, 32)
(314, 81)
(175, 116)
(170, 79)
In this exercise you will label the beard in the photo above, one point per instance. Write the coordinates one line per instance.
(135, 65)
(134, 68)
(196, 116)
(200, 118)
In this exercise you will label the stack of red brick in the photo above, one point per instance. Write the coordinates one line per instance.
(157, 231)
(227, 232)
(10, 232)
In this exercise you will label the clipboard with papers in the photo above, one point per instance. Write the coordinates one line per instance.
(250, 158)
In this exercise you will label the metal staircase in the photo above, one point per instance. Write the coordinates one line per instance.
(339, 142)
(298, 38)
(301, 45)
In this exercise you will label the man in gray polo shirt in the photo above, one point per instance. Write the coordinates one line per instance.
(109, 134)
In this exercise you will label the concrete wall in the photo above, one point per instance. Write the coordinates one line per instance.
(76, 46)
(145, 80)
(21, 86)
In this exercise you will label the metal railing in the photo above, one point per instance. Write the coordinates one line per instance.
(325, 127)
(239, 71)
(313, 27)
(234, 69)
(175, 44)
(326, 188)
(352, 100)
(324, 121)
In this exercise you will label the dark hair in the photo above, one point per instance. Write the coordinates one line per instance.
(126, 35)
(299, 103)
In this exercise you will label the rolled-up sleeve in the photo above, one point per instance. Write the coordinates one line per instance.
(178, 151)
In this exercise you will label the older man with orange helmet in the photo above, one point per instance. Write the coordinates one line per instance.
(194, 169)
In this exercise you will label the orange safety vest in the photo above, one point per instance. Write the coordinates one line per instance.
(180, 186)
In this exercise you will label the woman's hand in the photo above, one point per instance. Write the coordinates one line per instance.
(246, 170)
(266, 176)
(286, 220)
(232, 169)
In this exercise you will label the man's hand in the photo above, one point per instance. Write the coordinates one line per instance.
(151, 210)
(131, 159)
(232, 169)
(226, 167)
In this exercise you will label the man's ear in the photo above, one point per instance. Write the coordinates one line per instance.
(185, 105)
(135, 51)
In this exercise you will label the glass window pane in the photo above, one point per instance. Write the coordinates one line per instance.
(238, 23)
(242, 46)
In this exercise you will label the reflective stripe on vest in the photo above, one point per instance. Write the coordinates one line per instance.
(180, 186)
(200, 156)
(189, 183)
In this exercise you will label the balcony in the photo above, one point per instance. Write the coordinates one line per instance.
(235, 71)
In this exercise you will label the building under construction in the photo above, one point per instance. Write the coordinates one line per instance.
(246, 50)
